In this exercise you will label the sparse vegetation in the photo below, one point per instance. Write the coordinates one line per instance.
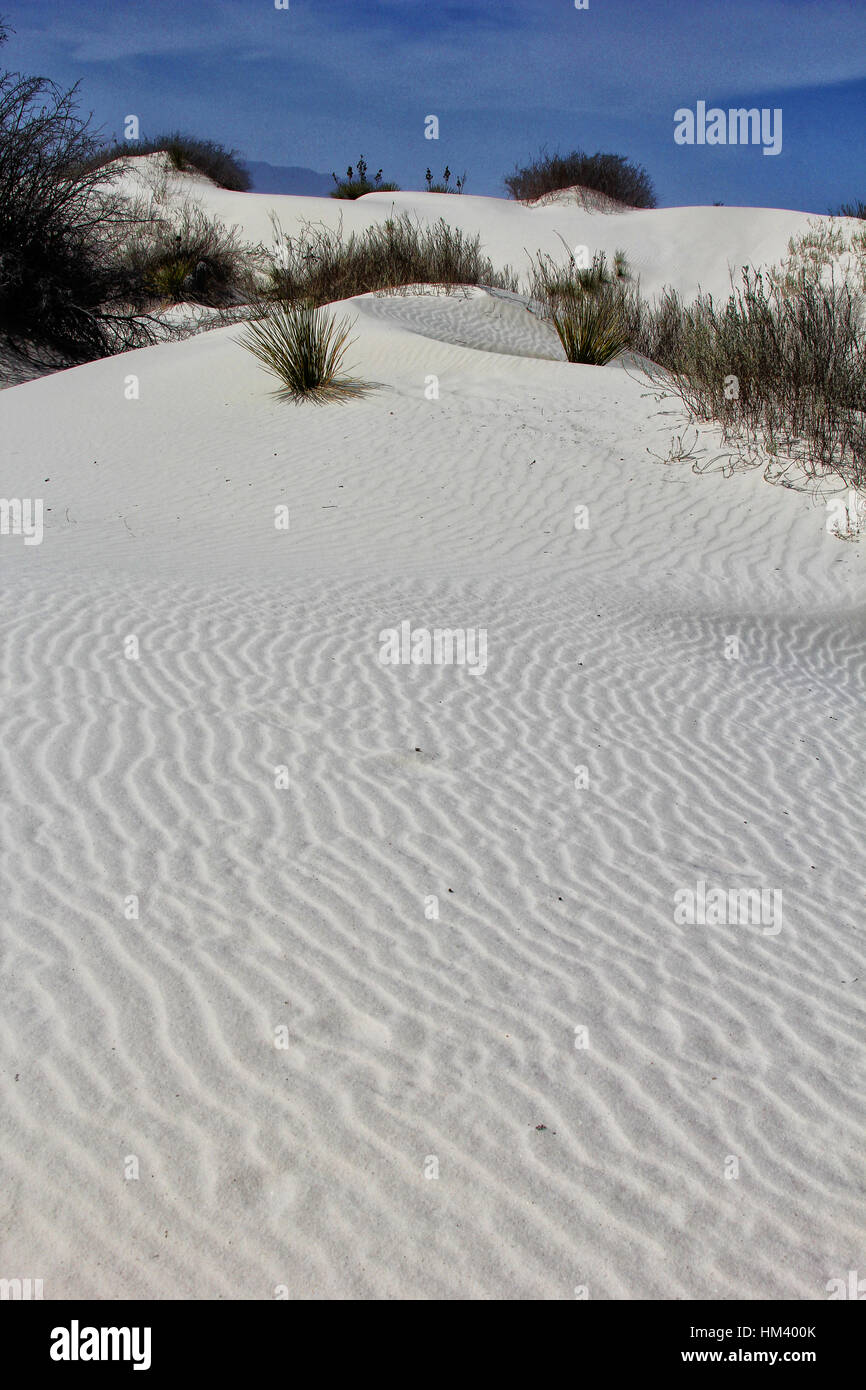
(304, 347)
(320, 266)
(609, 174)
(356, 183)
(822, 252)
(584, 304)
(444, 186)
(552, 284)
(190, 257)
(185, 153)
(780, 366)
(857, 209)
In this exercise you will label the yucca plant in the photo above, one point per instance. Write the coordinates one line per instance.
(352, 187)
(554, 286)
(595, 276)
(444, 185)
(592, 327)
(303, 346)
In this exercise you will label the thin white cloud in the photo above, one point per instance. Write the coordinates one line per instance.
(625, 58)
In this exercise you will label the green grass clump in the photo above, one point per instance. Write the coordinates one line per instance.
(592, 327)
(304, 347)
(167, 280)
(186, 256)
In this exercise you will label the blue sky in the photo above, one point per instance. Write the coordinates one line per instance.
(326, 80)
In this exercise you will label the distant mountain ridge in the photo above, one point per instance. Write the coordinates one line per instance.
(288, 178)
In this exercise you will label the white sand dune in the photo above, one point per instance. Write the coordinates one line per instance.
(686, 248)
(410, 1038)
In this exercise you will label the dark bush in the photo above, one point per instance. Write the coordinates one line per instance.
(610, 174)
(61, 289)
(849, 210)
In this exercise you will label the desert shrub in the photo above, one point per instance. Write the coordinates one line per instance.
(190, 257)
(610, 174)
(303, 346)
(355, 185)
(62, 293)
(185, 152)
(780, 366)
(857, 209)
(320, 265)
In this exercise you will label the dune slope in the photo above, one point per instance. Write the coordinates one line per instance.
(244, 1049)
